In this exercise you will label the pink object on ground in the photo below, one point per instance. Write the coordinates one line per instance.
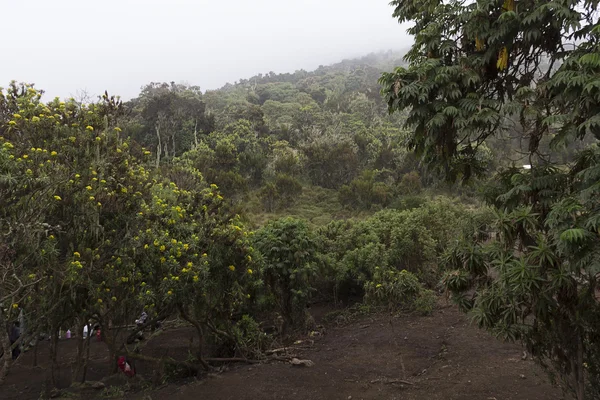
(125, 367)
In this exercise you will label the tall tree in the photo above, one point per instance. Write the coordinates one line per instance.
(173, 116)
(479, 69)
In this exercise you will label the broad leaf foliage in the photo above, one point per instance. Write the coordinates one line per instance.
(530, 69)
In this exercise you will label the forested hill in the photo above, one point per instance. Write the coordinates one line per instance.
(318, 145)
(234, 210)
(349, 87)
(375, 63)
(268, 139)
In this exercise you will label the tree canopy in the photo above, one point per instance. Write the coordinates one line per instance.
(529, 69)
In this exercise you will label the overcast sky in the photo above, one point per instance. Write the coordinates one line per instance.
(66, 45)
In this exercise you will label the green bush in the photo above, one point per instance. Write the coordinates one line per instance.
(250, 340)
(269, 196)
(425, 302)
(408, 203)
(411, 183)
(366, 191)
(281, 192)
(289, 251)
(414, 240)
(398, 290)
(288, 187)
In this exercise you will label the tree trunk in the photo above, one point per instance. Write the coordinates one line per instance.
(80, 349)
(109, 338)
(7, 349)
(578, 371)
(200, 331)
(87, 358)
(53, 356)
(287, 306)
(159, 147)
(196, 132)
(35, 350)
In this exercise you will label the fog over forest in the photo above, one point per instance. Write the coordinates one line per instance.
(72, 45)
(312, 199)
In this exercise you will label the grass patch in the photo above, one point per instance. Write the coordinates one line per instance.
(316, 205)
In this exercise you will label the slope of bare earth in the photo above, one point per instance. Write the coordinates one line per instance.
(440, 356)
(409, 357)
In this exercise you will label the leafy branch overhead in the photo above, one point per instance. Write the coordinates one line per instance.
(529, 71)
(481, 68)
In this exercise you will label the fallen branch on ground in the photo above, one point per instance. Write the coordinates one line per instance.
(286, 349)
(232, 359)
(192, 367)
(391, 381)
(281, 358)
(280, 350)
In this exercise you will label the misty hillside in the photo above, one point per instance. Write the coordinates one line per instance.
(331, 88)
(373, 62)
(277, 143)
(301, 235)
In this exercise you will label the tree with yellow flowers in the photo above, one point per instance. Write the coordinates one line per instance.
(94, 232)
(28, 195)
(205, 268)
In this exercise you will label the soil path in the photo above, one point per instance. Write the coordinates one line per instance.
(442, 356)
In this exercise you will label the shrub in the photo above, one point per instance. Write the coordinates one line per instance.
(288, 187)
(289, 250)
(408, 203)
(425, 302)
(365, 191)
(411, 183)
(250, 340)
(414, 240)
(269, 196)
(398, 291)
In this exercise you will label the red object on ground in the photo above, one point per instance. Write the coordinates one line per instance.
(99, 335)
(125, 367)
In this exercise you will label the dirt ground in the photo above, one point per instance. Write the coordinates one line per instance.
(437, 357)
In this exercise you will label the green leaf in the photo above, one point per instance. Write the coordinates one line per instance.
(573, 235)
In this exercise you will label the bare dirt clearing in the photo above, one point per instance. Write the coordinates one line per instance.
(435, 357)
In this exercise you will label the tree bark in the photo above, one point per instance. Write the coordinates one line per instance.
(200, 331)
(35, 350)
(87, 358)
(140, 328)
(80, 349)
(53, 356)
(110, 339)
(578, 371)
(7, 349)
(219, 332)
(159, 147)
